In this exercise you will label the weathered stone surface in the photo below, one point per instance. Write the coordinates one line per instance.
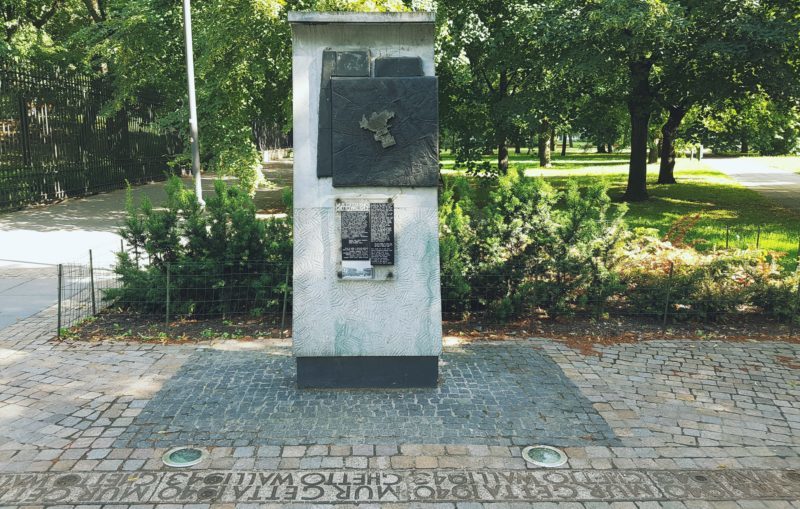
(398, 66)
(364, 156)
(390, 486)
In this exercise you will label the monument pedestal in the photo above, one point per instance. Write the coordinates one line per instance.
(366, 296)
(366, 372)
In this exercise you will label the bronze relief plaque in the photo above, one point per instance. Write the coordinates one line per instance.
(385, 131)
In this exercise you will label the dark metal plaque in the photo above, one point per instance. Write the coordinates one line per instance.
(398, 66)
(352, 63)
(324, 150)
(355, 235)
(381, 233)
(385, 132)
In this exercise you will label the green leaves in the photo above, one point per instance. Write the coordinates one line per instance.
(526, 245)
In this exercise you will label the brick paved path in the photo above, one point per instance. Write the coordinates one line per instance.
(670, 424)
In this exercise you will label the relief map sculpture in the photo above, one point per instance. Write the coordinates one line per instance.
(401, 115)
(378, 123)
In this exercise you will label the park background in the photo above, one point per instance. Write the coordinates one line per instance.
(610, 102)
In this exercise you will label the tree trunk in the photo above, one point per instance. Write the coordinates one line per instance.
(544, 146)
(610, 148)
(601, 148)
(652, 154)
(552, 140)
(502, 157)
(666, 172)
(563, 145)
(517, 148)
(637, 175)
(570, 141)
(745, 145)
(640, 106)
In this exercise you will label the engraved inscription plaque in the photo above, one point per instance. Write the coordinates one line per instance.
(355, 235)
(381, 233)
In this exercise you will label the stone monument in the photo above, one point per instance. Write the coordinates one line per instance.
(366, 303)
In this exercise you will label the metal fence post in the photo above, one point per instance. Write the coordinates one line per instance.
(285, 292)
(166, 317)
(60, 287)
(727, 236)
(758, 237)
(669, 294)
(24, 131)
(91, 282)
(796, 308)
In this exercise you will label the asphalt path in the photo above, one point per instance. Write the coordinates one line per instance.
(779, 184)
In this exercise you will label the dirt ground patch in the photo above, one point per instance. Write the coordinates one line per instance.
(269, 200)
(585, 333)
(121, 325)
(580, 333)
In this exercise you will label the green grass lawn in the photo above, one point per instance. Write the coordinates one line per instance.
(719, 207)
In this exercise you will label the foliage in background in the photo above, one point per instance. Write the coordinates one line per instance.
(210, 256)
(752, 124)
(242, 52)
(518, 243)
(513, 246)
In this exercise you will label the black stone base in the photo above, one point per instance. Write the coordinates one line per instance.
(367, 372)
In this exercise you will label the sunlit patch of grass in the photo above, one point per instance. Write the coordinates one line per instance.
(729, 213)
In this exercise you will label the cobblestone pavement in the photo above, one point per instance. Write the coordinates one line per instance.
(667, 424)
(490, 394)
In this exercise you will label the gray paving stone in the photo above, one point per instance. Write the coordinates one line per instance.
(489, 402)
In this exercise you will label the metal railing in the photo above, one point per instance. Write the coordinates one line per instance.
(58, 141)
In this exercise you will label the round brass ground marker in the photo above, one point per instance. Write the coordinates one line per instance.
(544, 456)
(183, 457)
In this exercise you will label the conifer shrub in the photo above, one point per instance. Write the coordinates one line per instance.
(214, 261)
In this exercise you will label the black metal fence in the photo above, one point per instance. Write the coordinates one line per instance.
(58, 141)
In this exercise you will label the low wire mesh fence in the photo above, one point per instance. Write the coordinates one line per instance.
(80, 292)
(701, 296)
(169, 297)
(165, 297)
(258, 297)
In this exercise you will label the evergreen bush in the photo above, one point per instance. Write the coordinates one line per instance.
(215, 261)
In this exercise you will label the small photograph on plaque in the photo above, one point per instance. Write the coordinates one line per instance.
(356, 269)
